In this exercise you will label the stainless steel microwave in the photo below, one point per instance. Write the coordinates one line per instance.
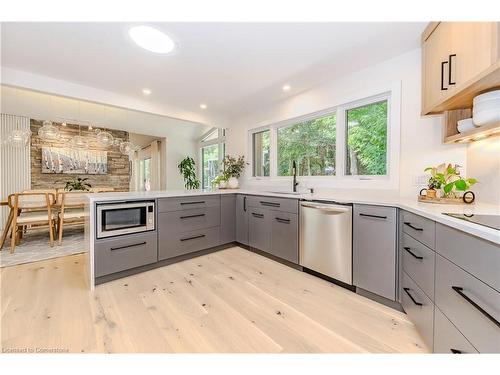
(118, 218)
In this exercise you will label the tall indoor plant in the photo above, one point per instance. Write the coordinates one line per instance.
(188, 172)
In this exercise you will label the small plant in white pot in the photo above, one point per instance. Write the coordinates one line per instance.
(220, 181)
(233, 168)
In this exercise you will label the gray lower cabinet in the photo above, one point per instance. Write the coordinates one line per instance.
(284, 236)
(227, 218)
(172, 245)
(420, 228)
(259, 228)
(242, 219)
(447, 338)
(375, 249)
(126, 252)
(420, 309)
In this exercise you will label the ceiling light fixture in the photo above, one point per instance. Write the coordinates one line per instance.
(146, 91)
(203, 106)
(151, 39)
(286, 87)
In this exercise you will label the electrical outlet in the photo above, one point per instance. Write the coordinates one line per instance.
(420, 180)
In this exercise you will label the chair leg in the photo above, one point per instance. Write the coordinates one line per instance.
(13, 239)
(7, 228)
(51, 232)
(60, 229)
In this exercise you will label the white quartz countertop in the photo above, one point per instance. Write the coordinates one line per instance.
(428, 210)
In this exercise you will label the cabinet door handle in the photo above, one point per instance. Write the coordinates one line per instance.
(375, 216)
(442, 75)
(455, 351)
(460, 291)
(270, 204)
(192, 238)
(245, 204)
(449, 69)
(257, 215)
(199, 202)
(284, 221)
(190, 216)
(413, 227)
(407, 291)
(127, 246)
(412, 253)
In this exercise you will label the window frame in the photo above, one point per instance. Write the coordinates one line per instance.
(391, 93)
(220, 141)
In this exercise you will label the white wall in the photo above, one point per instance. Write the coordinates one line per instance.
(420, 136)
(483, 163)
(181, 136)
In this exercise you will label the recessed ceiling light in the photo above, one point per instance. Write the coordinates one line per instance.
(286, 87)
(146, 91)
(151, 39)
(203, 106)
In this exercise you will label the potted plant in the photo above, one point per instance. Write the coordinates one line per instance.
(77, 184)
(220, 181)
(233, 167)
(188, 172)
(448, 178)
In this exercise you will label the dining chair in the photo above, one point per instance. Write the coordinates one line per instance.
(71, 210)
(30, 209)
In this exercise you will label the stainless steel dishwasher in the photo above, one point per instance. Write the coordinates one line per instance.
(326, 239)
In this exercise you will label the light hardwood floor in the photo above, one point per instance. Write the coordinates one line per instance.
(229, 301)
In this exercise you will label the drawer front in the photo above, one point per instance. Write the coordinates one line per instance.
(285, 236)
(419, 263)
(419, 308)
(419, 228)
(175, 244)
(187, 220)
(374, 249)
(477, 256)
(475, 325)
(259, 228)
(447, 338)
(123, 253)
(272, 203)
(188, 203)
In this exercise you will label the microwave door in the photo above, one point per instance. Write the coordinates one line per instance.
(123, 218)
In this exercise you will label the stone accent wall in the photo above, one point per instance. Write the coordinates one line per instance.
(118, 176)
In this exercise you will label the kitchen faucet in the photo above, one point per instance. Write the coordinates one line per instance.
(294, 171)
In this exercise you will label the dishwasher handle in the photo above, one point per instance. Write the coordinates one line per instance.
(325, 207)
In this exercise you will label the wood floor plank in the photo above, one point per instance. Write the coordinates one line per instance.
(229, 301)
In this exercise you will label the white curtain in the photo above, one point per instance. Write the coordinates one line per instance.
(15, 165)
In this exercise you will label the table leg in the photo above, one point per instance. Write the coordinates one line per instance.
(7, 227)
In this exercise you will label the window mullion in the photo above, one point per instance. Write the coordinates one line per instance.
(273, 152)
(340, 147)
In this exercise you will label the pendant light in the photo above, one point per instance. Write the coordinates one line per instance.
(104, 138)
(18, 138)
(78, 141)
(49, 132)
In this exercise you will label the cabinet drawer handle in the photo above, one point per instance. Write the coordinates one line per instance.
(257, 215)
(449, 69)
(412, 253)
(199, 202)
(245, 204)
(127, 246)
(192, 238)
(284, 221)
(455, 351)
(413, 227)
(460, 291)
(407, 291)
(442, 75)
(191, 216)
(270, 204)
(375, 216)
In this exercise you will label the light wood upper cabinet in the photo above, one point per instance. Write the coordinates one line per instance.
(459, 60)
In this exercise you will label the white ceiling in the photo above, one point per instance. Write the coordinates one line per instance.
(232, 67)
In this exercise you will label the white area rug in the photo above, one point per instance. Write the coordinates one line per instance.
(35, 246)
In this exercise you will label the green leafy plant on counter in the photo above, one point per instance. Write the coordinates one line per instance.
(78, 184)
(220, 178)
(233, 166)
(448, 178)
(188, 172)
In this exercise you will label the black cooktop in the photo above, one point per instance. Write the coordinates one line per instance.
(490, 221)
